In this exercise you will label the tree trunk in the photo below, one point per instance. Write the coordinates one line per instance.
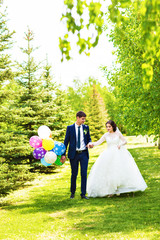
(159, 143)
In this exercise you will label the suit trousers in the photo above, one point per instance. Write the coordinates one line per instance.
(81, 158)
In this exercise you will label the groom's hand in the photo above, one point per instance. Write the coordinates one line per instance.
(63, 159)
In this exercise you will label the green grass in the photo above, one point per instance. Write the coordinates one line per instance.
(45, 211)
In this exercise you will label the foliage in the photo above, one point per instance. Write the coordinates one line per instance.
(5, 44)
(75, 25)
(109, 100)
(36, 100)
(6, 74)
(7, 84)
(136, 107)
(76, 95)
(13, 176)
(45, 211)
(96, 113)
(89, 16)
(93, 99)
(61, 110)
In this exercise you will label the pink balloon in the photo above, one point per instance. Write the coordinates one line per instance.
(35, 142)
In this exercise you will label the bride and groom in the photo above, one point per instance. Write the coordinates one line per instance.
(115, 170)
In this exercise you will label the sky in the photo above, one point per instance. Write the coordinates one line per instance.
(43, 18)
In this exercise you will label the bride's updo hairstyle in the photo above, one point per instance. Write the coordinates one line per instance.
(112, 123)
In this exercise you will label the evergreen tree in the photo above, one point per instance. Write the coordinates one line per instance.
(5, 45)
(6, 81)
(94, 100)
(11, 176)
(76, 95)
(61, 110)
(36, 104)
(96, 114)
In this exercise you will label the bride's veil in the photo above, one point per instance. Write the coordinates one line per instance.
(117, 130)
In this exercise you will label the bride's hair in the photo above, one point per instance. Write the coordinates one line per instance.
(112, 123)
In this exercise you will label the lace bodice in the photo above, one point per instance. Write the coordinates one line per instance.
(112, 139)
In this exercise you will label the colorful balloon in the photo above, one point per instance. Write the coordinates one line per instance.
(58, 161)
(50, 157)
(59, 148)
(48, 143)
(44, 132)
(39, 153)
(35, 142)
(45, 163)
(50, 135)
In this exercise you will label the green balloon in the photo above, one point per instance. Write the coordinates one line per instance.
(58, 162)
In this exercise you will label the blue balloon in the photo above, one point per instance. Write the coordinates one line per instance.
(45, 163)
(59, 148)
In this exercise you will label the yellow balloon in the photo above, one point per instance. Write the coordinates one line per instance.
(48, 143)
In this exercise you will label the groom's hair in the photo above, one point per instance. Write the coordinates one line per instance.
(80, 114)
(112, 123)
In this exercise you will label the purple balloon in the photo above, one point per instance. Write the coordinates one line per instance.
(39, 153)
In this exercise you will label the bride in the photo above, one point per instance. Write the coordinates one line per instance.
(115, 170)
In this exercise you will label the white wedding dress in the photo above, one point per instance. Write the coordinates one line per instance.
(115, 170)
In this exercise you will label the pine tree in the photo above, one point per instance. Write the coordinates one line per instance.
(96, 113)
(11, 176)
(37, 103)
(6, 81)
(93, 99)
(61, 111)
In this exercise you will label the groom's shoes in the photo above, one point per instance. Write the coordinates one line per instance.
(72, 195)
(84, 197)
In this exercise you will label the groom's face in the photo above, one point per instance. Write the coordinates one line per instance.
(80, 120)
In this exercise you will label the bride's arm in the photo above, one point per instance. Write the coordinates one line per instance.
(123, 140)
(101, 140)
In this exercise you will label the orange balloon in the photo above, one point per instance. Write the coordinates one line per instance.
(50, 135)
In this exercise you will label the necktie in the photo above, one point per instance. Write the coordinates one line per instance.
(78, 143)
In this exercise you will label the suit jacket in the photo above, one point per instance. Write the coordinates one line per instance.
(70, 139)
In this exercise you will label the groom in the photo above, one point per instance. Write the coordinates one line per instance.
(78, 136)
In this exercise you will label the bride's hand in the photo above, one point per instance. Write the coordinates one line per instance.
(89, 145)
(119, 146)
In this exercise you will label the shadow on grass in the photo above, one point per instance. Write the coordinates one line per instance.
(13, 178)
(98, 216)
(125, 214)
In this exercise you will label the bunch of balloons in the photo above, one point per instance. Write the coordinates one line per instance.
(45, 149)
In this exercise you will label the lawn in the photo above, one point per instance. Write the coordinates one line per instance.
(43, 209)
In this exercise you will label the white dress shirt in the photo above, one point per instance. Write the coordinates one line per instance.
(82, 143)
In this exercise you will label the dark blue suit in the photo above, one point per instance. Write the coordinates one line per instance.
(75, 157)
